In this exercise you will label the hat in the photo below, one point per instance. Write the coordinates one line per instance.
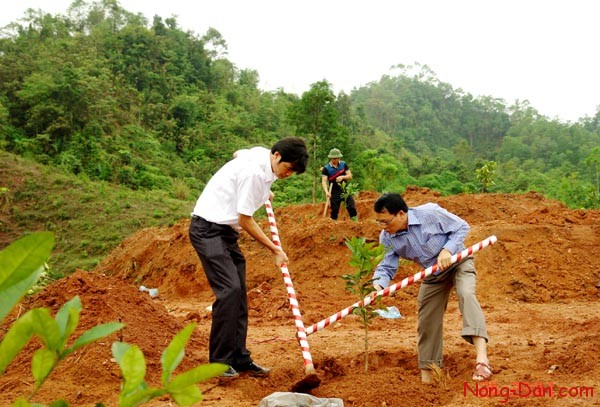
(335, 153)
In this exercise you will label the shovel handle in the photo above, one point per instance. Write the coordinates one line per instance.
(287, 279)
(391, 289)
(327, 200)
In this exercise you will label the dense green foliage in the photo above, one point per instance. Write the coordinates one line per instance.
(101, 91)
(442, 136)
(143, 113)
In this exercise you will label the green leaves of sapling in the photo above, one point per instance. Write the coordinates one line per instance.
(174, 353)
(17, 337)
(182, 388)
(93, 334)
(134, 390)
(365, 257)
(21, 264)
(42, 363)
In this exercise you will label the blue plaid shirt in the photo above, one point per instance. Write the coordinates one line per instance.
(431, 228)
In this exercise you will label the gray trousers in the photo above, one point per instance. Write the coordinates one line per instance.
(225, 269)
(432, 302)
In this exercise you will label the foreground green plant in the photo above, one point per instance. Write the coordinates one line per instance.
(21, 265)
(54, 334)
(182, 388)
(365, 257)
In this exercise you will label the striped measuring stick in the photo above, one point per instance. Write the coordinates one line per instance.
(301, 332)
(404, 283)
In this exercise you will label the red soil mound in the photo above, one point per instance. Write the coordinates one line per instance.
(539, 286)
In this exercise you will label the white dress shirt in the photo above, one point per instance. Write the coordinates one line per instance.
(241, 186)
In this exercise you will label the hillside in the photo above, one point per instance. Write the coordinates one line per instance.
(88, 218)
(539, 286)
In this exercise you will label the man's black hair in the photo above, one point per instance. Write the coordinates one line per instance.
(391, 202)
(292, 150)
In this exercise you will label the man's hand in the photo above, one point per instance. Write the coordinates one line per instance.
(373, 294)
(280, 258)
(444, 259)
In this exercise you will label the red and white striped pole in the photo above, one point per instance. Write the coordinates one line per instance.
(308, 363)
(404, 283)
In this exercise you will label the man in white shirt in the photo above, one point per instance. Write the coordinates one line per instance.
(226, 204)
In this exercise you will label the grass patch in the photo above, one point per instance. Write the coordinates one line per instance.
(89, 219)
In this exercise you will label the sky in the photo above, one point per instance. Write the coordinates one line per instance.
(544, 51)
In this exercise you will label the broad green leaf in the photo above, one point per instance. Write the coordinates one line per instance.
(21, 402)
(138, 397)
(17, 336)
(67, 318)
(195, 375)
(187, 396)
(133, 367)
(58, 403)
(21, 264)
(93, 334)
(72, 322)
(119, 349)
(174, 353)
(47, 329)
(42, 363)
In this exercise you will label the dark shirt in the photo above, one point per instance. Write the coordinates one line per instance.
(332, 173)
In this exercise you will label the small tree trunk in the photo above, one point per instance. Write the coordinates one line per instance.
(366, 349)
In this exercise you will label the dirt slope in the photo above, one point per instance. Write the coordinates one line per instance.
(539, 286)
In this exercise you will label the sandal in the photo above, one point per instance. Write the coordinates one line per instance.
(482, 372)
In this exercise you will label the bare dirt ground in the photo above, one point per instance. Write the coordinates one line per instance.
(539, 287)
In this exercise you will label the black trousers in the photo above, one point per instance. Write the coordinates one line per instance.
(225, 268)
(336, 202)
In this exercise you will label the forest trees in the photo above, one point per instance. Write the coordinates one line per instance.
(102, 93)
(316, 117)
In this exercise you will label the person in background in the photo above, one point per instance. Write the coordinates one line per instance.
(428, 234)
(333, 174)
(226, 204)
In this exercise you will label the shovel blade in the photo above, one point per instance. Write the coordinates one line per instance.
(307, 384)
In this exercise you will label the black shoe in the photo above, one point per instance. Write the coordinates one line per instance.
(229, 373)
(253, 369)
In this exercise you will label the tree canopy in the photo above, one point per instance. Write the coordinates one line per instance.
(104, 93)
